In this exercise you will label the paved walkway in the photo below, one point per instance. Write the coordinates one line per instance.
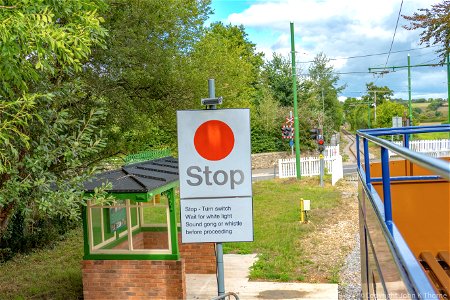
(236, 272)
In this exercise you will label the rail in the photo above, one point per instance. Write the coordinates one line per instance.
(411, 272)
(229, 294)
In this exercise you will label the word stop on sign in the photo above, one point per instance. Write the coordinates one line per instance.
(214, 153)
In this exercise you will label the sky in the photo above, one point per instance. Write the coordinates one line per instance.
(343, 29)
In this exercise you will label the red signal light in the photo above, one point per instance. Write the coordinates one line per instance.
(320, 142)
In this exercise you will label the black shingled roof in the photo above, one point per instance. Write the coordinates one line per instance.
(139, 177)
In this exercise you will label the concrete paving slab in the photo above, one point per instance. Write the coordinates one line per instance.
(236, 268)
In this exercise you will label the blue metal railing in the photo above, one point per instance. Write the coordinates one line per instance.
(411, 270)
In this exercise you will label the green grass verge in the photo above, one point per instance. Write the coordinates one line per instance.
(45, 274)
(55, 273)
(277, 231)
(431, 136)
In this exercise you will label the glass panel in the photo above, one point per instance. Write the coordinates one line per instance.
(154, 214)
(134, 216)
(155, 229)
(96, 226)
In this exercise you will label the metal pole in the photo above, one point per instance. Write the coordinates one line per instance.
(321, 169)
(368, 112)
(387, 203)
(323, 106)
(292, 147)
(219, 248)
(294, 89)
(366, 161)
(211, 92)
(448, 86)
(358, 157)
(375, 104)
(409, 90)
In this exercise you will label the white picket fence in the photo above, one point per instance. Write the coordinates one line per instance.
(434, 148)
(331, 151)
(310, 166)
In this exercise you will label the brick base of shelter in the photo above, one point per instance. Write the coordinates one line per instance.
(147, 279)
(200, 258)
(134, 279)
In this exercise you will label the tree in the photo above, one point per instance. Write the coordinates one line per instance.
(225, 54)
(267, 118)
(435, 23)
(277, 75)
(46, 139)
(324, 86)
(388, 110)
(378, 93)
(355, 113)
(144, 73)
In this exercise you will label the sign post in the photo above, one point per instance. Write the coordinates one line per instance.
(215, 178)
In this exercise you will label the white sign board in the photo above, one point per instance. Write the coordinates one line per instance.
(214, 153)
(217, 220)
(396, 121)
(215, 175)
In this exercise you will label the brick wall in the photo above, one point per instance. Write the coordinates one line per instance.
(199, 258)
(133, 279)
(147, 240)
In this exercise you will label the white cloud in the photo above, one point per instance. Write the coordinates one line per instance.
(339, 29)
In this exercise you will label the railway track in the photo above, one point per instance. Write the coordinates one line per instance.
(352, 140)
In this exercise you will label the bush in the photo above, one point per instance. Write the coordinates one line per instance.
(22, 235)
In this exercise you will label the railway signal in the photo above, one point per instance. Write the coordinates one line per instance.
(321, 143)
(287, 132)
(314, 133)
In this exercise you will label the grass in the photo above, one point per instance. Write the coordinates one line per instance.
(53, 273)
(431, 136)
(278, 232)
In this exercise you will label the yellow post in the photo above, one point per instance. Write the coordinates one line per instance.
(302, 218)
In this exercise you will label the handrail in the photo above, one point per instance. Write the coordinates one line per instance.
(407, 130)
(439, 166)
(226, 295)
(408, 265)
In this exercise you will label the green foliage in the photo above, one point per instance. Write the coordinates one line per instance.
(356, 113)
(378, 93)
(225, 54)
(318, 105)
(434, 105)
(266, 120)
(50, 273)
(435, 23)
(319, 97)
(277, 75)
(388, 110)
(48, 136)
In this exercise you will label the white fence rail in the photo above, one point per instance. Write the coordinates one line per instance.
(331, 151)
(435, 148)
(310, 166)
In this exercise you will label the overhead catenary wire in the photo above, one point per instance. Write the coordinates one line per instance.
(367, 55)
(395, 32)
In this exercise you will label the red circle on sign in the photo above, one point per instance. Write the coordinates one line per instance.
(214, 140)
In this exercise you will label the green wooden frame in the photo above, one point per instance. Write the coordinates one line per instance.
(169, 190)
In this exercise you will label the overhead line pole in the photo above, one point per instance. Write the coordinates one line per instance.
(409, 90)
(294, 90)
(408, 66)
(448, 87)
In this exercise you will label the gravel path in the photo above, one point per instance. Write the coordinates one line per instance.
(350, 275)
